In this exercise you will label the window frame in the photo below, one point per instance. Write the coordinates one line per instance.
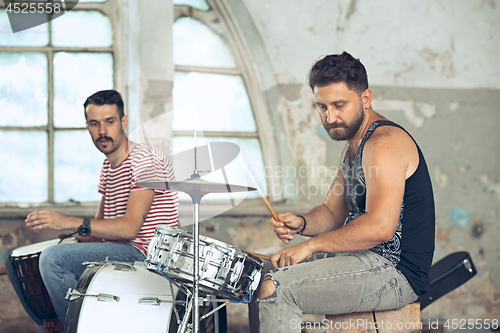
(108, 9)
(220, 20)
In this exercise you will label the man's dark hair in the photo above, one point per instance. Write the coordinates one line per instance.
(336, 68)
(105, 97)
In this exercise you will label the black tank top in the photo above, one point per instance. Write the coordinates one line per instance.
(412, 247)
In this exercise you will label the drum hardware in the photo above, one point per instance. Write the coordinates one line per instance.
(137, 295)
(196, 188)
(119, 266)
(185, 326)
(144, 298)
(225, 270)
(184, 323)
(123, 266)
(154, 301)
(207, 258)
(73, 294)
(184, 289)
(468, 266)
(224, 301)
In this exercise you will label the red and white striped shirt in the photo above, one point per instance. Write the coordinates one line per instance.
(143, 164)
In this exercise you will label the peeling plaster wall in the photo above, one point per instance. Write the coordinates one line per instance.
(432, 67)
(430, 43)
(149, 68)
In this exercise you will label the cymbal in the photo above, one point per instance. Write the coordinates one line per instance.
(196, 186)
(208, 158)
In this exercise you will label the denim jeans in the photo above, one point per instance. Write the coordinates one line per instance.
(330, 284)
(61, 267)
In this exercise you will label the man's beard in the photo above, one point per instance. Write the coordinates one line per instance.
(342, 131)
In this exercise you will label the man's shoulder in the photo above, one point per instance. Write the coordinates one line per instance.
(389, 136)
(393, 145)
(143, 150)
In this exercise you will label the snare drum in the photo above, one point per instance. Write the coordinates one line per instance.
(225, 270)
(123, 297)
(25, 261)
(159, 247)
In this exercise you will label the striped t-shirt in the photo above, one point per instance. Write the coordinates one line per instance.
(143, 164)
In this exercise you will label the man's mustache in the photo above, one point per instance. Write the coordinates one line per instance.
(336, 125)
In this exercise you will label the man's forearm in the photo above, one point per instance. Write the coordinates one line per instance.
(119, 228)
(364, 233)
(321, 219)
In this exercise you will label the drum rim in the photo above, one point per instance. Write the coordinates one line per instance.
(40, 246)
(174, 232)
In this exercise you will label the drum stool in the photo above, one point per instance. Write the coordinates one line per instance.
(404, 320)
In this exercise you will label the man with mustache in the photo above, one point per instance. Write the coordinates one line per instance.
(127, 215)
(371, 241)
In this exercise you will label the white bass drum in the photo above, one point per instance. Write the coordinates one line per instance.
(124, 297)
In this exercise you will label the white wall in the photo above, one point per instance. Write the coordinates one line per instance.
(411, 43)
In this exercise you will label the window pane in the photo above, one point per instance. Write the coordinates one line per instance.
(77, 165)
(36, 36)
(23, 175)
(250, 151)
(23, 89)
(82, 28)
(77, 76)
(200, 4)
(211, 102)
(196, 45)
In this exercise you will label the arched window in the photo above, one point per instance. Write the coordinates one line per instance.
(211, 92)
(46, 73)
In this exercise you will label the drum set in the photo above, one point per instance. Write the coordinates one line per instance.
(195, 278)
(192, 262)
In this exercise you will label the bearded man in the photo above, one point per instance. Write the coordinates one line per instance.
(371, 241)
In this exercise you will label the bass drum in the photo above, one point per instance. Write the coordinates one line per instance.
(125, 297)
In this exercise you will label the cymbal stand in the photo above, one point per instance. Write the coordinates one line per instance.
(196, 198)
(194, 304)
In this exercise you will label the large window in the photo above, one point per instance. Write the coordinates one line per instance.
(211, 94)
(46, 73)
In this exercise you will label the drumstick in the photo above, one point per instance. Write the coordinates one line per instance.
(261, 256)
(262, 195)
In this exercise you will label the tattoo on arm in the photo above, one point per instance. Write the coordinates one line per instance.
(337, 177)
(144, 217)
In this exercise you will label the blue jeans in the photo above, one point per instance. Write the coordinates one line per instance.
(331, 284)
(61, 267)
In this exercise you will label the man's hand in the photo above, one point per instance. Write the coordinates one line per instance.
(292, 255)
(46, 218)
(288, 225)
